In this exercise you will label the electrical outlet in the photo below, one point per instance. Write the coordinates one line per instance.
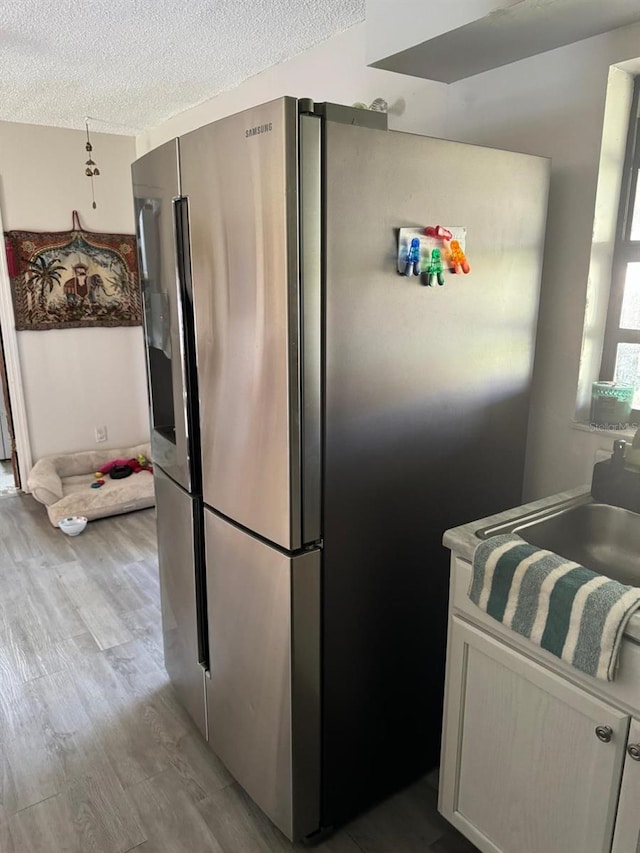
(101, 433)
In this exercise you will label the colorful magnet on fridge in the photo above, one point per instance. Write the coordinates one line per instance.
(458, 262)
(413, 258)
(435, 269)
(438, 231)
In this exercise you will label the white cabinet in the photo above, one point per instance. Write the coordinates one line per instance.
(523, 769)
(627, 834)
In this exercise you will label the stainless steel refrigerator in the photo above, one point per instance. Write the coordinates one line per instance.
(318, 420)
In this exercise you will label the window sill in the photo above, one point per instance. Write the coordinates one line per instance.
(627, 431)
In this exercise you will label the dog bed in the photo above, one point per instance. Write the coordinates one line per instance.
(63, 484)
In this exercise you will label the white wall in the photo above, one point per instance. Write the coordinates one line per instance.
(334, 70)
(553, 104)
(74, 379)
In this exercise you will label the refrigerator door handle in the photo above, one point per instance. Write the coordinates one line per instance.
(183, 254)
(310, 223)
(183, 272)
(186, 323)
(202, 621)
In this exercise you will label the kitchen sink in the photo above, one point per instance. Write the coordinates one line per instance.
(601, 537)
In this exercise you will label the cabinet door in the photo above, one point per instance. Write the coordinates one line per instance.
(627, 835)
(523, 769)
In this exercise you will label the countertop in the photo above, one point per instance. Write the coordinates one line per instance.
(463, 540)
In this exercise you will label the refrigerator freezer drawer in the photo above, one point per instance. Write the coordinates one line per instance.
(264, 691)
(179, 563)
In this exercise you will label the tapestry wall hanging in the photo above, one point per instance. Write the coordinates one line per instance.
(72, 279)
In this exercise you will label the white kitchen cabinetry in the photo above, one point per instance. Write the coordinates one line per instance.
(532, 763)
(627, 834)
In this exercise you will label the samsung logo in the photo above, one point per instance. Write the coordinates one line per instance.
(258, 129)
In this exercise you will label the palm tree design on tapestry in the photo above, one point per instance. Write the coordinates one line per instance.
(42, 274)
(73, 280)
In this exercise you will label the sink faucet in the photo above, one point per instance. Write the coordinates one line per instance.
(632, 452)
(616, 481)
(619, 447)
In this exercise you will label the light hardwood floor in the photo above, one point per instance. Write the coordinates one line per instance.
(7, 481)
(96, 755)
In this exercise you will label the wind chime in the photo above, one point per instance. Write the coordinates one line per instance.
(91, 170)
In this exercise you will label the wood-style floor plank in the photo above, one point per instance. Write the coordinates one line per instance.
(143, 576)
(240, 826)
(31, 652)
(118, 584)
(6, 837)
(53, 614)
(125, 538)
(452, 842)
(145, 625)
(170, 818)
(119, 722)
(408, 821)
(29, 771)
(96, 753)
(97, 607)
(9, 677)
(84, 819)
(174, 733)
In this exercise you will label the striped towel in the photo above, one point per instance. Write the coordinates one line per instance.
(563, 607)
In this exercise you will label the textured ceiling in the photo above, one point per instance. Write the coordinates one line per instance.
(134, 63)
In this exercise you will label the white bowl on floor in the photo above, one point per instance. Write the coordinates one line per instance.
(73, 525)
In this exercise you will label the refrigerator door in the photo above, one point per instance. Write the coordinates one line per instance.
(240, 177)
(426, 410)
(264, 690)
(159, 229)
(179, 522)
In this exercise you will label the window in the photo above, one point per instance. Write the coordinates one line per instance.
(621, 353)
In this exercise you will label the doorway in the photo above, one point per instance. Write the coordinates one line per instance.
(9, 471)
(11, 386)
